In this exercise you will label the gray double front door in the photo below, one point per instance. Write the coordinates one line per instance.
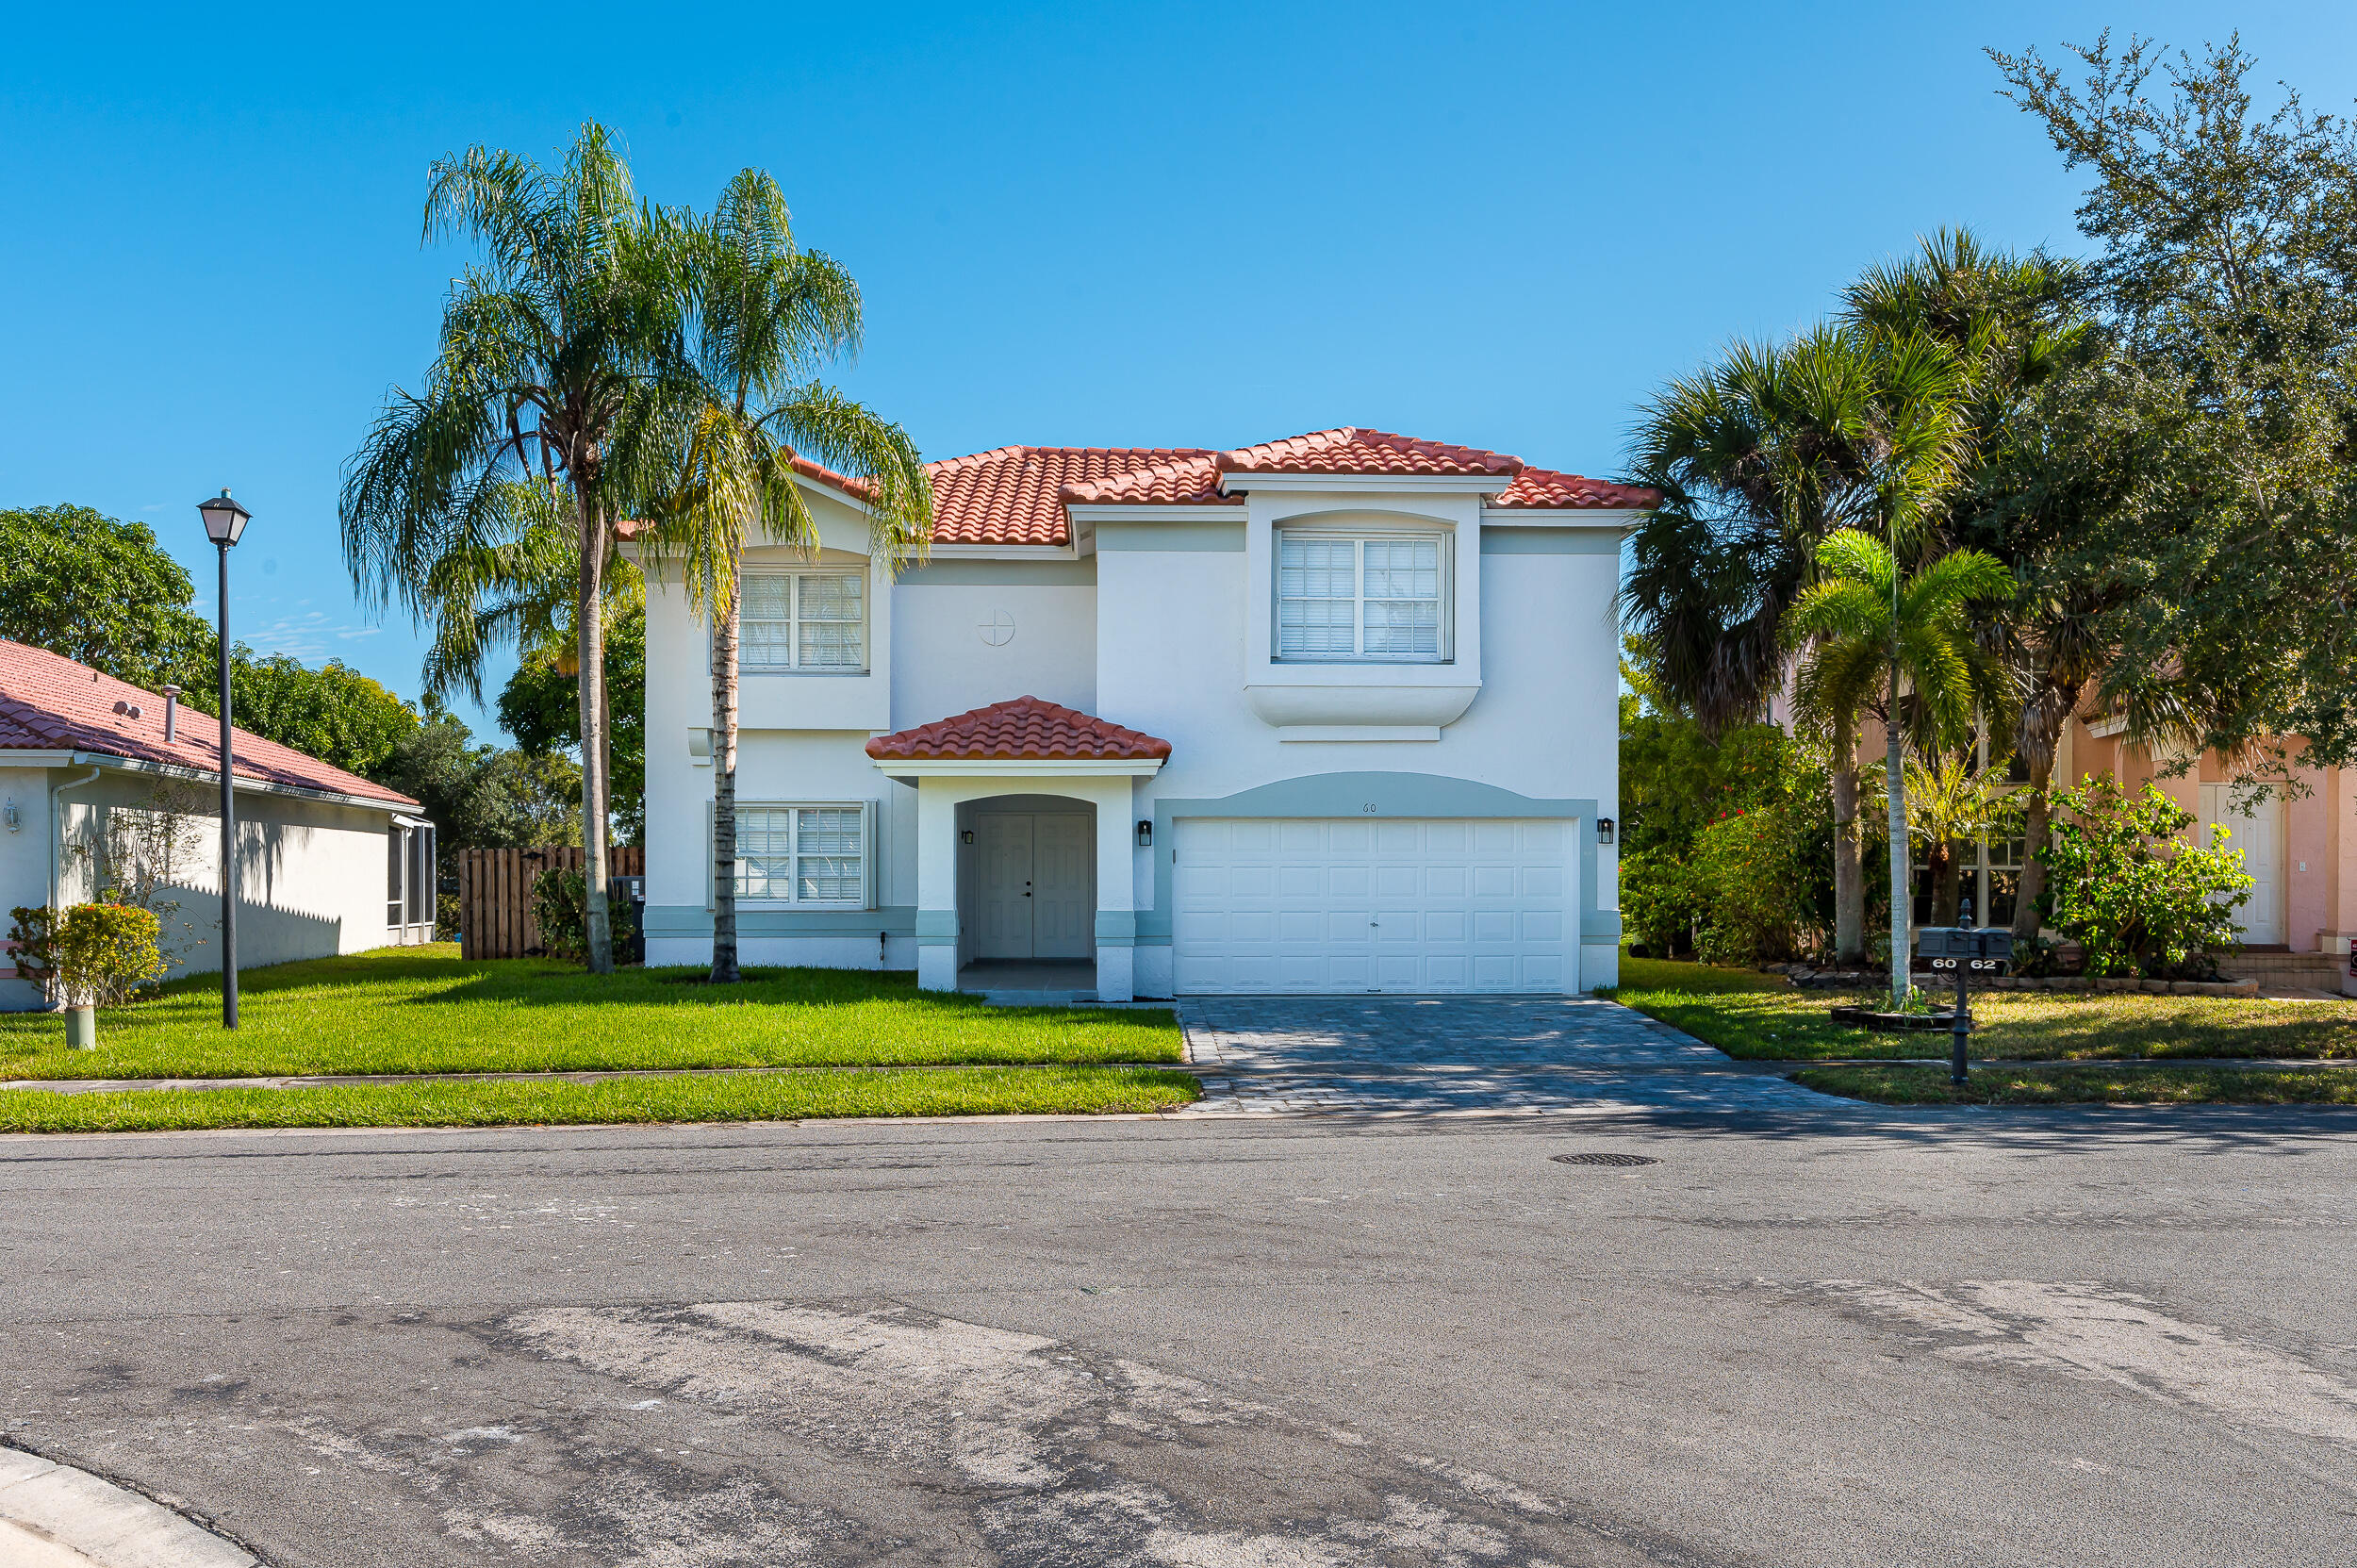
(1034, 886)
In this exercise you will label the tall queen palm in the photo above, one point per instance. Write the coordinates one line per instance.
(560, 350)
(1866, 622)
(767, 316)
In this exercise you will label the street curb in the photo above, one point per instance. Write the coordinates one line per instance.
(71, 1518)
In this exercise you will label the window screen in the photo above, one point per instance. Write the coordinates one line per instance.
(803, 854)
(804, 620)
(1342, 596)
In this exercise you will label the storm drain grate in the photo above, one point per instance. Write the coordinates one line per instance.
(1599, 1157)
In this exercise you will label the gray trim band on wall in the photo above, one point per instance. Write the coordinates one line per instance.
(694, 920)
(1349, 796)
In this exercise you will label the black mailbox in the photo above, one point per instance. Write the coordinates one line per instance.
(1979, 950)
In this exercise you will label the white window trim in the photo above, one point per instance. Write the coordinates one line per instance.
(1360, 537)
(794, 622)
(867, 817)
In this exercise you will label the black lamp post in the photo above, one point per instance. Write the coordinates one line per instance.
(224, 522)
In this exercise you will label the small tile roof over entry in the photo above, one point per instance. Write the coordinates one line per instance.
(1017, 494)
(1026, 728)
(50, 703)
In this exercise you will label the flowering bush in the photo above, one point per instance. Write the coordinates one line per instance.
(93, 955)
(2121, 883)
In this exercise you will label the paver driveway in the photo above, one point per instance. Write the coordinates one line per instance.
(1461, 1055)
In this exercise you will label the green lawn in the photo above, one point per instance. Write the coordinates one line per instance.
(424, 1010)
(752, 1097)
(1763, 1017)
(1997, 1084)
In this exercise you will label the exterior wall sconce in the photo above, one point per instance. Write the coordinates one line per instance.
(1146, 832)
(965, 835)
(1603, 829)
(14, 817)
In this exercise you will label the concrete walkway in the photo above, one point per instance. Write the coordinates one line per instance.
(1263, 1056)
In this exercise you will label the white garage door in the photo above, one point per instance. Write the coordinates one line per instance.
(1263, 905)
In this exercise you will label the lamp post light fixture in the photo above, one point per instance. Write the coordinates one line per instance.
(225, 523)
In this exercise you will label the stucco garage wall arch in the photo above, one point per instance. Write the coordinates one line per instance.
(1396, 795)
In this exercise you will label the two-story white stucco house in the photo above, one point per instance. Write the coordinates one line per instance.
(1335, 714)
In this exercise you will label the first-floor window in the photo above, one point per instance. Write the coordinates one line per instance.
(1360, 596)
(803, 854)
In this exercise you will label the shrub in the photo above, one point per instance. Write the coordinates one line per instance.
(1739, 896)
(1747, 874)
(2121, 883)
(1657, 903)
(93, 955)
(560, 905)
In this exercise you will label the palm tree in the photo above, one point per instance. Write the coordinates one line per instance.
(2018, 322)
(1754, 463)
(1864, 612)
(559, 353)
(767, 315)
(1950, 803)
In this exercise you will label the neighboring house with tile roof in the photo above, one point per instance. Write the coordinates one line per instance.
(1332, 714)
(329, 862)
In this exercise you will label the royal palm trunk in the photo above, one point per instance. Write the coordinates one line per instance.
(1849, 873)
(590, 632)
(726, 623)
(1901, 899)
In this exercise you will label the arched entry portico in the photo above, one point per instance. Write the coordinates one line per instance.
(1026, 893)
(1024, 772)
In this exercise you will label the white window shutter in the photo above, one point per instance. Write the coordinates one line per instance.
(868, 812)
(711, 846)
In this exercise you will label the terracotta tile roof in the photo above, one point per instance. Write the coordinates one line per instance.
(50, 703)
(1025, 727)
(1545, 487)
(1013, 494)
(1017, 494)
(1352, 451)
(1192, 480)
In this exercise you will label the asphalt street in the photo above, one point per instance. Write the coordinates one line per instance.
(2107, 1338)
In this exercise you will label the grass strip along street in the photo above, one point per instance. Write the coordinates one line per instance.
(1995, 1084)
(747, 1097)
(873, 1045)
(425, 1010)
(2029, 1047)
(1763, 1017)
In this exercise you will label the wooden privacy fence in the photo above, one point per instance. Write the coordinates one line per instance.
(495, 895)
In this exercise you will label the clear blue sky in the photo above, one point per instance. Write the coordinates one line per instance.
(1132, 224)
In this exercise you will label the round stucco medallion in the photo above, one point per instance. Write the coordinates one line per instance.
(997, 628)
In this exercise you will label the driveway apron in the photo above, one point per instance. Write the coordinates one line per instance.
(1534, 1056)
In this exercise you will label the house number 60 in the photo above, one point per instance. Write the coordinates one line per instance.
(1368, 807)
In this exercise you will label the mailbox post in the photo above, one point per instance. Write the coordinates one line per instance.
(1967, 952)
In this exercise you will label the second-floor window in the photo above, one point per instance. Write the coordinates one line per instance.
(813, 622)
(1361, 596)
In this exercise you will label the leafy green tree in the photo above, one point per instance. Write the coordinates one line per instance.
(2210, 438)
(97, 590)
(333, 712)
(1863, 624)
(560, 355)
(481, 796)
(540, 707)
(767, 315)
